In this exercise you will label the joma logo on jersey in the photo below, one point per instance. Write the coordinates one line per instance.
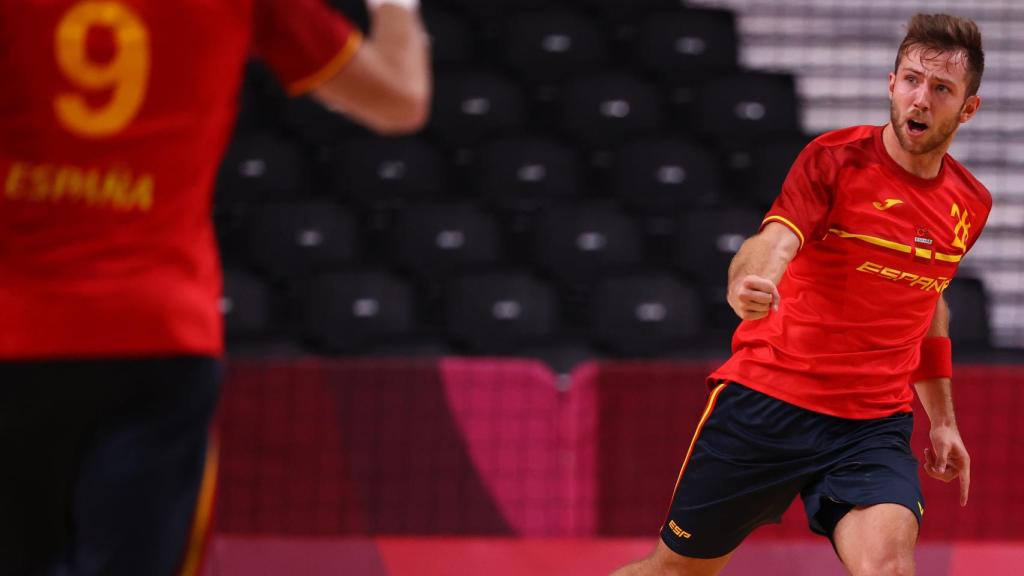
(677, 530)
(914, 280)
(889, 203)
(962, 231)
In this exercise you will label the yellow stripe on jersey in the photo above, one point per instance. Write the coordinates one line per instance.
(922, 252)
(788, 224)
(314, 80)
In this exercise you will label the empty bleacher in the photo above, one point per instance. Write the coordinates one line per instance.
(587, 173)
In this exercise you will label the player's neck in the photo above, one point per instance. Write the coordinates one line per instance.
(920, 165)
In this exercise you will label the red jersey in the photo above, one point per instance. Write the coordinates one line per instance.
(878, 247)
(114, 116)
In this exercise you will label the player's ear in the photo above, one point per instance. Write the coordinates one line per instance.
(970, 108)
(892, 84)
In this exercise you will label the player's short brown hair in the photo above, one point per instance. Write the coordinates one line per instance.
(937, 33)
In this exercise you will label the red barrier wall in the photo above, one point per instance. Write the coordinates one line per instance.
(525, 442)
(503, 447)
(347, 447)
(398, 447)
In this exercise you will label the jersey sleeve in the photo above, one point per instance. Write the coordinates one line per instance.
(807, 194)
(985, 205)
(303, 41)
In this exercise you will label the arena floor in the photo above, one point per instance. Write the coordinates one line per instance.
(272, 556)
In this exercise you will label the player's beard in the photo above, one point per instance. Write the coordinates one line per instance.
(938, 133)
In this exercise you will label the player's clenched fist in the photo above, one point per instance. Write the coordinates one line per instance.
(751, 297)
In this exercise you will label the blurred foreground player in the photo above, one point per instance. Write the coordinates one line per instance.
(841, 297)
(114, 115)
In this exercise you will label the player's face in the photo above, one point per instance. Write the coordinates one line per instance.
(929, 101)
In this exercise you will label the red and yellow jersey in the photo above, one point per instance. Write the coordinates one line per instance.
(878, 247)
(114, 116)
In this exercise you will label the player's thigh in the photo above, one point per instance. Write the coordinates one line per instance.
(877, 539)
(741, 471)
(139, 483)
(864, 464)
(41, 431)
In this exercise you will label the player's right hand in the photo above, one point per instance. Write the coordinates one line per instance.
(752, 297)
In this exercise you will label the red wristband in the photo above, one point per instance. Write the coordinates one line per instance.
(936, 359)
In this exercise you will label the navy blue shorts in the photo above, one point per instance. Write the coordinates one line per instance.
(103, 461)
(752, 454)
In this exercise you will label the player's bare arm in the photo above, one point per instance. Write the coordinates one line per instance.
(756, 269)
(387, 84)
(948, 458)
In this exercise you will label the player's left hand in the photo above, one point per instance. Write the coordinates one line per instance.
(948, 459)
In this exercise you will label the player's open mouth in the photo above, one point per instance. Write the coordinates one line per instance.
(916, 127)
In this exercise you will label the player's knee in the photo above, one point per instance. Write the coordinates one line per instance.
(885, 565)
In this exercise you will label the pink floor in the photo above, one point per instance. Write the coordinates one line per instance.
(272, 556)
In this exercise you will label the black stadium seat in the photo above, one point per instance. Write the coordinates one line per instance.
(451, 39)
(708, 239)
(231, 233)
(769, 161)
(663, 175)
(501, 311)
(246, 306)
(645, 314)
(480, 7)
(679, 43)
(547, 44)
(354, 311)
(287, 240)
(969, 323)
(308, 121)
(520, 174)
(574, 244)
(468, 106)
(416, 347)
(262, 166)
(745, 105)
(376, 172)
(616, 10)
(434, 240)
(601, 110)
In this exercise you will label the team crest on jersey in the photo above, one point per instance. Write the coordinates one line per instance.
(962, 230)
(923, 237)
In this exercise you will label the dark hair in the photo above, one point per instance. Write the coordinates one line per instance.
(944, 33)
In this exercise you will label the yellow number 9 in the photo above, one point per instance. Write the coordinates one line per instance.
(126, 75)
